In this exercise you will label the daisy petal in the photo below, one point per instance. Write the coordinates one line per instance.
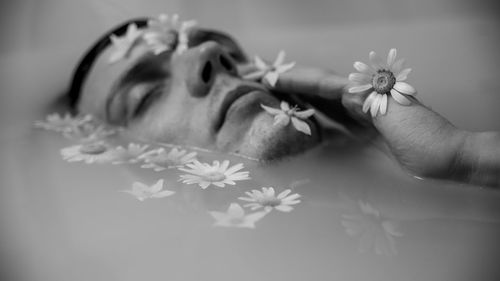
(305, 114)
(405, 88)
(368, 102)
(284, 208)
(284, 193)
(360, 78)
(162, 194)
(403, 74)
(301, 126)
(375, 105)
(397, 67)
(400, 98)
(383, 105)
(270, 110)
(259, 63)
(285, 67)
(376, 61)
(363, 68)
(391, 57)
(359, 89)
(281, 119)
(280, 58)
(272, 78)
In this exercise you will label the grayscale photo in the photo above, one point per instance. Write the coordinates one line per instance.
(288, 140)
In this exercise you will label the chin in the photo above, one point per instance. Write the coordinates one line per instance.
(267, 142)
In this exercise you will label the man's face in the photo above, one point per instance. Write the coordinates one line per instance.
(193, 98)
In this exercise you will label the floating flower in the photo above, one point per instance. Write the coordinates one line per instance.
(285, 114)
(142, 191)
(383, 78)
(235, 217)
(375, 232)
(270, 73)
(89, 132)
(268, 200)
(159, 159)
(123, 45)
(216, 174)
(129, 154)
(55, 122)
(96, 152)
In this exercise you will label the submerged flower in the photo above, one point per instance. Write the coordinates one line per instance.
(55, 122)
(270, 73)
(95, 152)
(123, 45)
(383, 79)
(218, 174)
(286, 114)
(268, 200)
(374, 231)
(129, 154)
(159, 159)
(142, 191)
(235, 217)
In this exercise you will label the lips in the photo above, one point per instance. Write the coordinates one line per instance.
(230, 98)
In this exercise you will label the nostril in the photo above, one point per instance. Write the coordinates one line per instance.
(206, 73)
(224, 61)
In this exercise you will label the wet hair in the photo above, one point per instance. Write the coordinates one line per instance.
(85, 65)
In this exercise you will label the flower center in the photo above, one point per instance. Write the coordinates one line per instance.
(383, 81)
(214, 176)
(93, 148)
(271, 202)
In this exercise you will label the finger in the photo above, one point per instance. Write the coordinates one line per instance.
(312, 82)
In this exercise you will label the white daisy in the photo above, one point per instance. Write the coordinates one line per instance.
(89, 132)
(122, 46)
(159, 159)
(129, 154)
(142, 191)
(374, 231)
(95, 152)
(383, 78)
(235, 217)
(268, 200)
(270, 73)
(286, 114)
(169, 25)
(55, 122)
(218, 174)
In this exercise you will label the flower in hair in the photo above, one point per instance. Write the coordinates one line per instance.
(286, 114)
(167, 25)
(270, 73)
(123, 45)
(382, 79)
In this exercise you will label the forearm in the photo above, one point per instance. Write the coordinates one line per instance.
(481, 158)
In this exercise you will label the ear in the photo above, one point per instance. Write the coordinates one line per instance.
(232, 47)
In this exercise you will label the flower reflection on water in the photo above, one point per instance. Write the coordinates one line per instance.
(375, 232)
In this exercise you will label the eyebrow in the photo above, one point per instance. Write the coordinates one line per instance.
(148, 68)
(86, 62)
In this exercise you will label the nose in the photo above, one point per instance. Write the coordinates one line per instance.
(207, 60)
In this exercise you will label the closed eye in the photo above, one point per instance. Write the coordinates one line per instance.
(141, 97)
